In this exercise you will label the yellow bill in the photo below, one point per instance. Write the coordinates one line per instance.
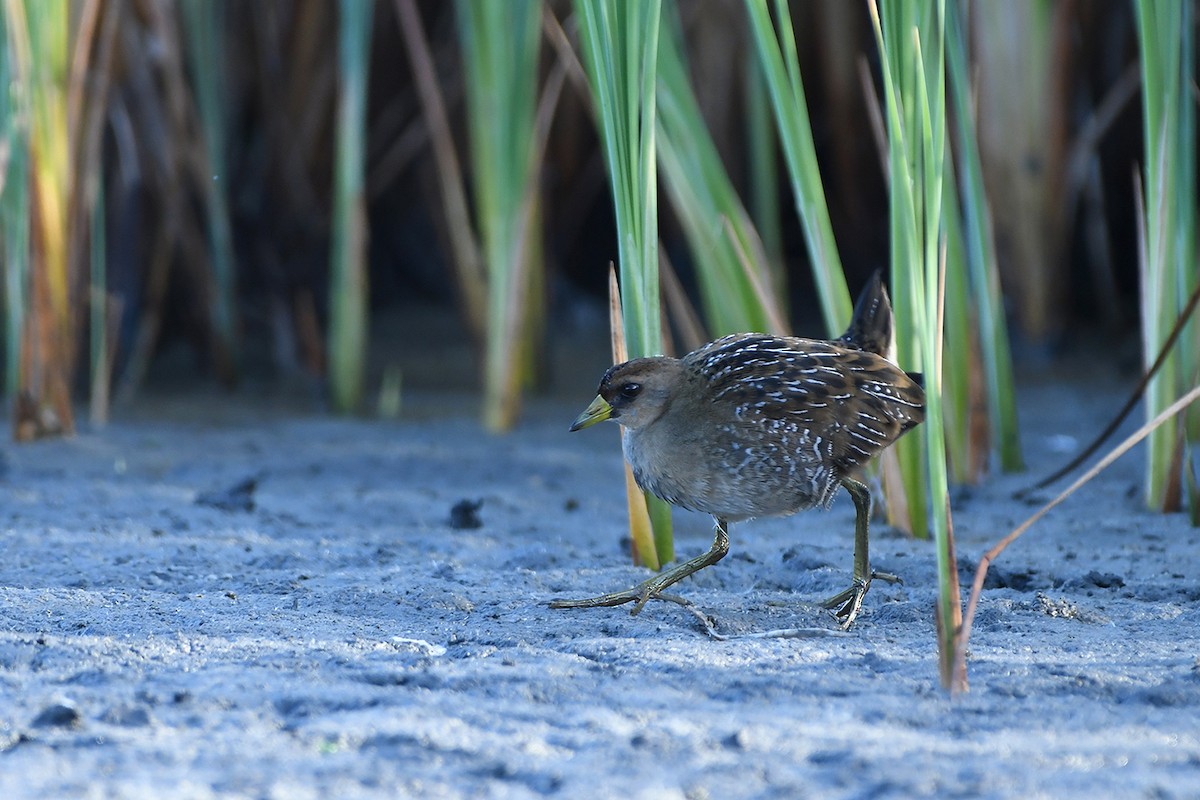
(598, 411)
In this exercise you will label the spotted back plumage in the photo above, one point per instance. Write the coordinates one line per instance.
(818, 408)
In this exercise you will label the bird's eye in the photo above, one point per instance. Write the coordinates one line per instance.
(631, 390)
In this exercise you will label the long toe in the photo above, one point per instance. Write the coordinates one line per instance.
(886, 577)
(839, 599)
(847, 603)
(639, 595)
(610, 599)
(849, 610)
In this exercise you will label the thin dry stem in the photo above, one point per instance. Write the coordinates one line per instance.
(874, 115)
(1092, 132)
(518, 300)
(1171, 411)
(561, 43)
(640, 530)
(682, 310)
(1134, 398)
(468, 262)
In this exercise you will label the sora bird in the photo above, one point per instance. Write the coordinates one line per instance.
(752, 425)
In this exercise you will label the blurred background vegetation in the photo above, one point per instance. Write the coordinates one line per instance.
(261, 186)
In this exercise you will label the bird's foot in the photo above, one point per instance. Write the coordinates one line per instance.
(639, 595)
(847, 603)
(652, 588)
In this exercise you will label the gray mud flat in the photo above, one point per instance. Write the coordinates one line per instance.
(254, 608)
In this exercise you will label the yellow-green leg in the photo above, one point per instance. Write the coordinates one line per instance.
(849, 602)
(649, 589)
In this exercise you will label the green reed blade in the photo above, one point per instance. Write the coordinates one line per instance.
(98, 307)
(781, 69)
(981, 256)
(38, 34)
(960, 344)
(910, 36)
(500, 50)
(762, 141)
(204, 27)
(348, 267)
(703, 197)
(1169, 270)
(620, 46)
(620, 42)
(14, 207)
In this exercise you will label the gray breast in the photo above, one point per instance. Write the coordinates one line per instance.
(738, 473)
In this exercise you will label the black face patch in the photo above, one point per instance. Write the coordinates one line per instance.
(606, 388)
(619, 388)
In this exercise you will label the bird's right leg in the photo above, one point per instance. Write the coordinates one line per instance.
(848, 602)
(653, 587)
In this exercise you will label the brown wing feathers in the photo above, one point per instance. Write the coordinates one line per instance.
(857, 399)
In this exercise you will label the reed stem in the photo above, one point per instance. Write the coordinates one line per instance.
(348, 255)
(620, 43)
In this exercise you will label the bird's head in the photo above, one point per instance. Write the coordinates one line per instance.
(634, 393)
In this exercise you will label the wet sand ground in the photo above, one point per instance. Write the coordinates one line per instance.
(327, 632)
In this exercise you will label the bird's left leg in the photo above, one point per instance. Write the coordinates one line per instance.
(848, 602)
(653, 587)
